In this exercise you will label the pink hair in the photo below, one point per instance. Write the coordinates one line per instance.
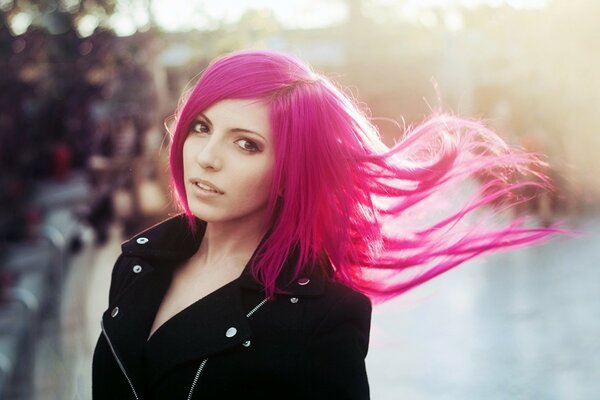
(340, 194)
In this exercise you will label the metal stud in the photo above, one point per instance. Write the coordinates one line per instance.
(142, 240)
(231, 332)
(303, 281)
(137, 269)
(246, 343)
(294, 300)
(114, 312)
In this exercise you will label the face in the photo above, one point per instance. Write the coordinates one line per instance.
(228, 160)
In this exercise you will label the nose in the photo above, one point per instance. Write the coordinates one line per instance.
(209, 156)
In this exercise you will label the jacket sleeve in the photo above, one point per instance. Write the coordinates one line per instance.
(335, 353)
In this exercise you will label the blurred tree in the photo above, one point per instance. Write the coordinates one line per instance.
(39, 10)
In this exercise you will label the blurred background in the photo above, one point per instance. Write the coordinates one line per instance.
(87, 85)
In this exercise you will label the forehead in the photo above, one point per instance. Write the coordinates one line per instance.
(240, 114)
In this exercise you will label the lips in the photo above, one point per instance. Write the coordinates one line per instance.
(206, 186)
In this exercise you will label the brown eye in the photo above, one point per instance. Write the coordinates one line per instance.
(199, 126)
(247, 145)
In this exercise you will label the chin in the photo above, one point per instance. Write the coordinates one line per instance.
(205, 215)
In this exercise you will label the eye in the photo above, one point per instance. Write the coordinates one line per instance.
(199, 126)
(247, 145)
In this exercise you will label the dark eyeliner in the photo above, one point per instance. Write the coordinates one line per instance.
(197, 121)
(256, 147)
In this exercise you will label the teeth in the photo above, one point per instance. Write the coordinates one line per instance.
(204, 187)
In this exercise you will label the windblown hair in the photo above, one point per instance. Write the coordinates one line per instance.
(387, 219)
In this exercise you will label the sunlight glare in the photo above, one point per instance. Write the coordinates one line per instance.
(516, 4)
(122, 25)
(20, 22)
(86, 25)
(185, 15)
(174, 15)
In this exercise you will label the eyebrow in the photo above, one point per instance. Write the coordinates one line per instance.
(232, 130)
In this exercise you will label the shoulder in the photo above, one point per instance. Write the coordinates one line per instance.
(172, 238)
(341, 311)
(160, 246)
(341, 298)
(333, 358)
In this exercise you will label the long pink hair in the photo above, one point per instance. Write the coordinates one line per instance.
(387, 219)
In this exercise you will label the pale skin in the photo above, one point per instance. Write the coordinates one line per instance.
(229, 148)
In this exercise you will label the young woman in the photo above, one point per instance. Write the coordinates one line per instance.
(294, 214)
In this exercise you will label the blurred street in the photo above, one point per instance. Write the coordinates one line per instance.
(521, 325)
(88, 95)
(517, 325)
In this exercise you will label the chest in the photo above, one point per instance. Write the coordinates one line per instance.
(189, 285)
(245, 350)
(246, 346)
(267, 363)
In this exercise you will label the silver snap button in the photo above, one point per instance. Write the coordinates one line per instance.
(231, 332)
(303, 281)
(246, 343)
(294, 300)
(142, 240)
(137, 269)
(114, 312)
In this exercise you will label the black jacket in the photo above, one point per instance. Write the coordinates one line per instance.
(307, 344)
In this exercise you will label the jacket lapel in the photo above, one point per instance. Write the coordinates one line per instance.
(211, 325)
(129, 318)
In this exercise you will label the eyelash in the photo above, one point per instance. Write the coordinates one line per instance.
(205, 129)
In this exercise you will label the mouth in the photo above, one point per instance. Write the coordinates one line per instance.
(206, 186)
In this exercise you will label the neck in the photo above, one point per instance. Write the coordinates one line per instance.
(230, 242)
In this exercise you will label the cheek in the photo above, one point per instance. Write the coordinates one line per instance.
(188, 157)
(258, 180)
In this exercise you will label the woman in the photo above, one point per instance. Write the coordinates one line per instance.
(294, 212)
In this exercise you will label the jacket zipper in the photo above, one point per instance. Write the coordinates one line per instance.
(203, 363)
(117, 359)
(200, 368)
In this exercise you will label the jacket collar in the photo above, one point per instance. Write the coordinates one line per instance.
(169, 240)
(172, 241)
(196, 332)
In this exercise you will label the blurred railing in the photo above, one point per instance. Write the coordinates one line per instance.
(32, 270)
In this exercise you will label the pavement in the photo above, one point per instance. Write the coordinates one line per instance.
(518, 325)
(64, 355)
